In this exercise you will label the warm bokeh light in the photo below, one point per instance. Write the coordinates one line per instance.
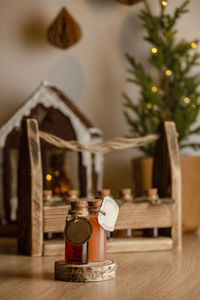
(148, 105)
(193, 45)
(154, 50)
(48, 177)
(168, 72)
(164, 3)
(154, 89)
(186, 100)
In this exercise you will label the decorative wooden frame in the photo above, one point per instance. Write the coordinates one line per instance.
(36, 219)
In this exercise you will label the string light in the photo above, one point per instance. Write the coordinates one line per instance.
(154, 50)
(193, 45)
(148, 105)
(164, 3)
(186, 100)
(168, 72)
(57, 173)
(154, 89)
(193, 106)
(48, 177)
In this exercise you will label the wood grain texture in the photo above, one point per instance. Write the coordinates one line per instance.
(176, 186)
(173, 275)
(30, 211)
(54, 248)
(97, 271)
(54, 218)
(121, 245)
(143, 215)
(167, 175)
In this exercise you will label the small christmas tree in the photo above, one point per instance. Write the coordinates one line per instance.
(172, 93)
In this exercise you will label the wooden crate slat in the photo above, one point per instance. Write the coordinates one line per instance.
(30, 205)
(54, 218)
(131, 215)
(58, 209)
(54, 227)
(57, 247)
(139, 244)
(144, 215)
(39, 219)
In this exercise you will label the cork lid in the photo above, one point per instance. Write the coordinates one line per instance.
(94, 205)
(152, 193)
(126, 191)
(104, 192)
(47, 193)
(73, 193)
(126, 194)
(78, 206)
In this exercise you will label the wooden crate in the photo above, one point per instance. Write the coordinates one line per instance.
(36, 219)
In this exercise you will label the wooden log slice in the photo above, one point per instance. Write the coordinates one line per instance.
(97, 271)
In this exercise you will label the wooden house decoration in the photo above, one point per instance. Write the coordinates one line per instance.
(57, 115)
(35, 219)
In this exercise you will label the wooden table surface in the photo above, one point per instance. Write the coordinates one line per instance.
(150, 275)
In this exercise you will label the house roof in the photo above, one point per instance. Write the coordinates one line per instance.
(49, 96)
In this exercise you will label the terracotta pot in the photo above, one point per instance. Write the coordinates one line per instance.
(190, 165)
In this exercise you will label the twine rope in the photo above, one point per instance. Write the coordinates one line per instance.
(103, 147)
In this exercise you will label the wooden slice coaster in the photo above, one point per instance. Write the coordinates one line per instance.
(97, 271)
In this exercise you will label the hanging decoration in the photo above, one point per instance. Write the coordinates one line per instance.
(64, 31)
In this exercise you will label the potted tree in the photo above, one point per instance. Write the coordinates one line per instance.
(169, 91)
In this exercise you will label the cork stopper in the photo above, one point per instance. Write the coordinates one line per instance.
(126, 194)
(152, 193)
(73, 193)
(94, 203)
(104, 192)
(47, 194)
(94, 206)
(153, 196)
(78, 207)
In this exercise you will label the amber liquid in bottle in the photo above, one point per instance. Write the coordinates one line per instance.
(97, 243)
(76, 251)
(76, 254)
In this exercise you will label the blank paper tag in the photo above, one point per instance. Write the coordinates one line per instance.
(110, 207)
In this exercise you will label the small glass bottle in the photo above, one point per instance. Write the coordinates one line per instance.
(76, 253)
(153, 197)
(125, 196)
(97, 243)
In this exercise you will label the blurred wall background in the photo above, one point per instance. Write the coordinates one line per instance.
(92, 73)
